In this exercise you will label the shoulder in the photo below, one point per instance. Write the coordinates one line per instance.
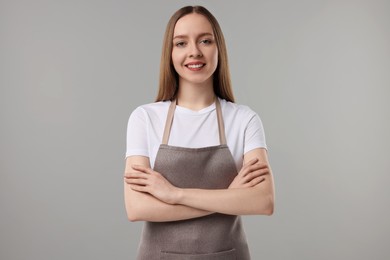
(237, 110)
(151, 109)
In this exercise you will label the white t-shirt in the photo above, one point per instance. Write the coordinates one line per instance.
(194, 129)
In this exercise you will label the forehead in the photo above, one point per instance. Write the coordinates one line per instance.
(192, 24)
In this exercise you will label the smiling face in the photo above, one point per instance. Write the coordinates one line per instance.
(195, 52)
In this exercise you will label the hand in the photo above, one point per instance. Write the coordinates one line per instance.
(251, 174)
(147, 180)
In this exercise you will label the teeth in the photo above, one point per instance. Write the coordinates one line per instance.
(194, 66)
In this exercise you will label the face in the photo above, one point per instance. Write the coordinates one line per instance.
(194, 52)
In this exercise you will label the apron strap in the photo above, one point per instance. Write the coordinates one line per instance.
(168, 123)
(171, 112)
(221, 126)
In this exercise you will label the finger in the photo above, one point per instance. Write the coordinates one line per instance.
(252, 161)
(139, 188)
(135, 175)
(250, 176)
(251, 168)
(256, 173)
(261, 180)
(264, 171)
(143, 169)
(140, 168)
(258, 164)
(255, 181)
(245, 170)
(143, 182)
(262, 165)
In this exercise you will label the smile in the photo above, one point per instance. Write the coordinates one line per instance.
(196, 66)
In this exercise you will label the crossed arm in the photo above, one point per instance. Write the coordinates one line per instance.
(150, 197)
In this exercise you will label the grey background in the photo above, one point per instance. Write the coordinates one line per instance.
(317, 72)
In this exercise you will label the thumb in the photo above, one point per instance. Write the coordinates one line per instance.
(251, 162)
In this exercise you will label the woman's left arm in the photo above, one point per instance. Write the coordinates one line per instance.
(256, 200)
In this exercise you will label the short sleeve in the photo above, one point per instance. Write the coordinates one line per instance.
(137, 132)
(254, 134)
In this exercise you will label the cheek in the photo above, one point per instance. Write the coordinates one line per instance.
(176, 58)
(214, 56)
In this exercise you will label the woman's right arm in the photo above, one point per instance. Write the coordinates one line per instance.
(144, 207)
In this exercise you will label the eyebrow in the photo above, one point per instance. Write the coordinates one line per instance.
(200, 35)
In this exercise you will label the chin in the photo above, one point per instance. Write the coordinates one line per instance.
(196, 80)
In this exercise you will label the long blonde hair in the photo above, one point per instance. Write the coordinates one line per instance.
(169, 79)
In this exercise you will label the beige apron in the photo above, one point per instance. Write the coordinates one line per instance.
(213, 237)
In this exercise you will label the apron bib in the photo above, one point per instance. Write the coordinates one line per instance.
(213, 237)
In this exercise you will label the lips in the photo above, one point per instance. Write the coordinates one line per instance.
(195, 65)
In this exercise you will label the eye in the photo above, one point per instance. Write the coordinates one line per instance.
(180, 44)
(206, 41)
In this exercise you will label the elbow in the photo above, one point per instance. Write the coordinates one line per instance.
(133, 207)
(269, 210)
(267, 204)
(132, 216)
(266, 207)
(133, 213)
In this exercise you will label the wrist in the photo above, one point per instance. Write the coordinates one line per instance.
(179, 196)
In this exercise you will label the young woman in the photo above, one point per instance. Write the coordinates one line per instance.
(195, 160)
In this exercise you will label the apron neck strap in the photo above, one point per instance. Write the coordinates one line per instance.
(171, 112)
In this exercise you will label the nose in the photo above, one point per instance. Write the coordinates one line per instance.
(195, 51)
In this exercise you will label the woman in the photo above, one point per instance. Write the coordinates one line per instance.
(186, 175)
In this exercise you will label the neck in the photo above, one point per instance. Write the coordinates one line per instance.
(195, 96)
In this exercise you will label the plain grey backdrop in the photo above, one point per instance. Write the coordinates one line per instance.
(317, 73)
